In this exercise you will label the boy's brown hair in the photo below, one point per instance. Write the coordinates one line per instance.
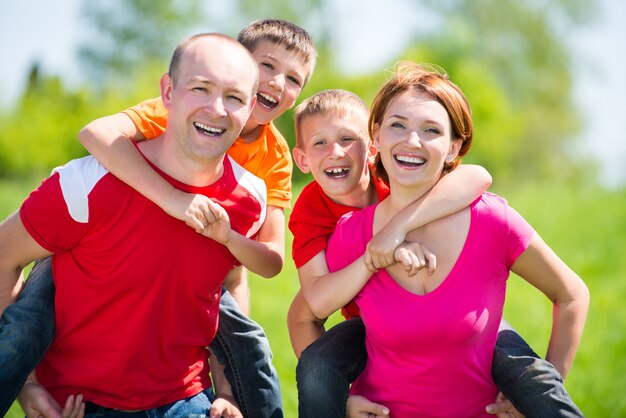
(336, 101)
(280, 32)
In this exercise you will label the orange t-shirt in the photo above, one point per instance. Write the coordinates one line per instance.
(267, 157)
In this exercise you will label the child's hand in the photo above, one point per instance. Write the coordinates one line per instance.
(380, 250)
(218, 223)
(503, 408)
(189, 208)
(225, 407)
(414, 256)
(360, 407)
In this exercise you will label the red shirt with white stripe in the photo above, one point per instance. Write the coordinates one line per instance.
(137, 291)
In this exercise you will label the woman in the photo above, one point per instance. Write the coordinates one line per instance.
(430, 336)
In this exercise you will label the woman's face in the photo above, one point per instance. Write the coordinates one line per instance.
(414, 140)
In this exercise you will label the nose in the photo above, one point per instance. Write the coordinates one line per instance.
(215, 107)
(278, 82)
(414, 139)
(337, 150)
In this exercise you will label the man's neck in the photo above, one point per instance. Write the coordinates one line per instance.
(168, 158)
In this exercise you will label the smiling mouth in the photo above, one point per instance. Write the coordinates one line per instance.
(207, 130)
(266, 101)
(408, 161)
(337, 172)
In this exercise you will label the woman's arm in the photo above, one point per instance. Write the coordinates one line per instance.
(542, 268)
(455, 191)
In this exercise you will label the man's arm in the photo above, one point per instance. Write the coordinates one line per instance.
(455, 191)
(17, 250)
(224, 404)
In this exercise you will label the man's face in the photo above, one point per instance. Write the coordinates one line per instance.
(211, 99)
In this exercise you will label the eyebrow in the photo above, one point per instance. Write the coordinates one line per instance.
(427, 121)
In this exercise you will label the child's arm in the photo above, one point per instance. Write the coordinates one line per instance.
(326, 292)
(455, 191)
(304, 327)
(107, 139)
(263, 257)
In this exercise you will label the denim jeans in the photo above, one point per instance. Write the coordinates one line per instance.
(327, 367)
(195, 406)
(242, 347)
(532, 384)
(27, 329)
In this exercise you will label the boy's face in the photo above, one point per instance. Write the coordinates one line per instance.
(282, 75)
(335, 149)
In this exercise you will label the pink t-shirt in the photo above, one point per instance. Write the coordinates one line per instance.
(430, 355)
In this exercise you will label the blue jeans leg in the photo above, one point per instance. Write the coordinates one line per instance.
(532, 384)
(26, 331)
(327, 368)
(242, 347)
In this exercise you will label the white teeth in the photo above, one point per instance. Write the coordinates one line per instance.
(268, 98)
(411, 160)
(208, 129)
(336, 170)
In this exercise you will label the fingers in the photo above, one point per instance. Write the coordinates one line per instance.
(432, 260)
(74, 407)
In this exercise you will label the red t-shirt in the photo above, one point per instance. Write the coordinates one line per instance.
(137, 291)
(312, 222)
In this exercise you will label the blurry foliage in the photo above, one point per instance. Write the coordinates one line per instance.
(508, 56)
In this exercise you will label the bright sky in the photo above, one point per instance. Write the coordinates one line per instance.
(49, 31)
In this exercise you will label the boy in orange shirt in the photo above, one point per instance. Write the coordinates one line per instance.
(286, 58)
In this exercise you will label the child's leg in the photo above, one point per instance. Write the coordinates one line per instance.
(532, 384)
(243, 349)
(327, 368)
(26, 331)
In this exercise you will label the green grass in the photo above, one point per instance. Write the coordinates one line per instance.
(586, 226)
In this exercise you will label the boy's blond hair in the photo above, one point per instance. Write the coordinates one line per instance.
(280, 32)
(336, 101)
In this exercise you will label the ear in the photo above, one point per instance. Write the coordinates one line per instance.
(373, 145)
(372, 150)
(301, 161)
(166, 90)
(453, 152)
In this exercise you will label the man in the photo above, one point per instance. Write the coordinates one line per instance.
(137, 291)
